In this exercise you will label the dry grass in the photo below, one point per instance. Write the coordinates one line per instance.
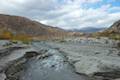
(7, 35)
(111, 35)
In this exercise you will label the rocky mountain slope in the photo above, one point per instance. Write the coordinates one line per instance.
(112, 32)
(115, 27)
(21, 25)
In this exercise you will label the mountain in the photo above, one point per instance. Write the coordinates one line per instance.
(23, 26)
(115, 28)
(88, 30)
(112, 32)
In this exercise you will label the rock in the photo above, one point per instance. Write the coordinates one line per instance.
(31, 54)
(109, 75)
(86, 66)
(13, 72)
(5, 42)
(105, 71)
(97, 53)
(43, 51)
(118, 44)
(8, 50)
(91, 65)
(43, 56)
(18, 66)
(2, 76)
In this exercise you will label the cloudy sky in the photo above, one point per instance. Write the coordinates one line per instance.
(67, 14)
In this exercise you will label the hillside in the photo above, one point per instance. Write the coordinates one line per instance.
(115, 28)
(88, 29)
(112, 32)
(23, 26)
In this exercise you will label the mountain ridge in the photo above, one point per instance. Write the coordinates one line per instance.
(115, 27)
(24, 26)
(88, 29)
(112, 32)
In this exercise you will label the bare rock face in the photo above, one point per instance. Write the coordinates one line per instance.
(12, 73)
(113, 32)
(17, 66)
(115, 27)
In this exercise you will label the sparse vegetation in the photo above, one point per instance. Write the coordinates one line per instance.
(111, 35)
(115, 36)
(24, 38)
(7, 35)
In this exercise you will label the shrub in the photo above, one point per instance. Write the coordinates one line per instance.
(24, 38)
(6, 35)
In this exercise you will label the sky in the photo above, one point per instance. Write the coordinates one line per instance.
(66, 14)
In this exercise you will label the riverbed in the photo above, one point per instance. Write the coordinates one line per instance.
(70, 59)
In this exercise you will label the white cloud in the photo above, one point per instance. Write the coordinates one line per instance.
(66, 14)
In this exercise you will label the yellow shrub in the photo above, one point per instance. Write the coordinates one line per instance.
(6, 35)
(22, 37)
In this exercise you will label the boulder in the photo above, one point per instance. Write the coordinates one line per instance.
(92, 65)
